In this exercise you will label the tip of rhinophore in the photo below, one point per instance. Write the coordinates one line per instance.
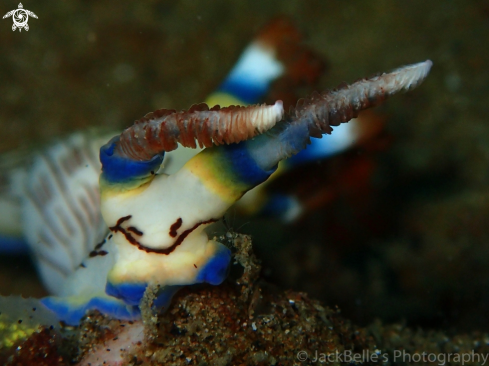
(426, 65)
(278, 108)
(423, 70)
(410, 76)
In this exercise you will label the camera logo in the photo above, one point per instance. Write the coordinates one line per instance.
(20, 17)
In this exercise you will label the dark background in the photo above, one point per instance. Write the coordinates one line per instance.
(418, 250)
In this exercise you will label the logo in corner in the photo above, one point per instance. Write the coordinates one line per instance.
(20, 17)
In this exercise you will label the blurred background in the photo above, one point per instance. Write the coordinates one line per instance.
(404, 235)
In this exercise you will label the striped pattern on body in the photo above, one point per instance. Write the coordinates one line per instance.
(61, 207)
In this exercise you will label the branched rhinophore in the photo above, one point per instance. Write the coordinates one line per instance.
(163, 129)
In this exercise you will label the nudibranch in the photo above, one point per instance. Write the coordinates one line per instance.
(157, 221)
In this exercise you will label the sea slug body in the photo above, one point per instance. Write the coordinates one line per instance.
(157, 221)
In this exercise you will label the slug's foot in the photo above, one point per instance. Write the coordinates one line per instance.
(141, 295)
(72, 310)
(134, 294)
(129, 293)
(123, 300)
(216, 269)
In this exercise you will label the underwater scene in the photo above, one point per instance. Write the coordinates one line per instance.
(235, 182)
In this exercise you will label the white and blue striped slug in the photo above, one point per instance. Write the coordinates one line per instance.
(157, 221)
(49, 201)
(99, 246)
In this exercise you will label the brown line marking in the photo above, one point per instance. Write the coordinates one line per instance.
(99, 245)
(120, 221)
(118, 228)
(94, 253)
(134, 230)
(175, 227)
(195, 265)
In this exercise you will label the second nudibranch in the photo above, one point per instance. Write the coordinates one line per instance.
(157, 221)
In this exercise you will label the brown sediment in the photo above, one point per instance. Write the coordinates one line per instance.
(42, 348)
(216, 325)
